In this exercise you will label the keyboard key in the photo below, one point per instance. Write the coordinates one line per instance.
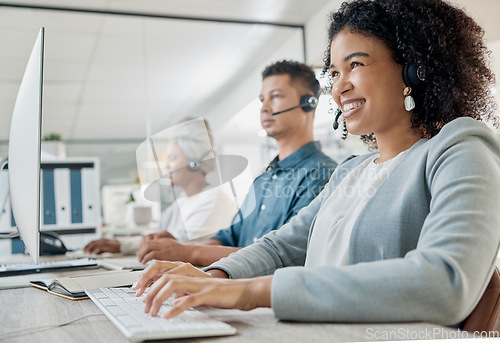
(127, 320)
(115, 310)
(107, 302)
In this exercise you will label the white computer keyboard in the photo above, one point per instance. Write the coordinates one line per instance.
(126, 312)
(11, 269)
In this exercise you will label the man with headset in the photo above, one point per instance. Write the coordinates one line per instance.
(291, 181)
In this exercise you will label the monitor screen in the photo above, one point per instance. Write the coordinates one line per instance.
(25, 151)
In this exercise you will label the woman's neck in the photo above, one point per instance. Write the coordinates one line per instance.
(195, 187)
(395, 144)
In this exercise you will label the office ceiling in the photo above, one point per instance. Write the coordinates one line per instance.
(120, 70)
(117, 76)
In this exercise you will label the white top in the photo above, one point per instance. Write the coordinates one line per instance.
(329, 243)
(199, 216)
(192, 218)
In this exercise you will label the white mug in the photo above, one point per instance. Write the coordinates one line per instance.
(142, 215)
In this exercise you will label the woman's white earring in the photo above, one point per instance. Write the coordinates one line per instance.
(409, 101)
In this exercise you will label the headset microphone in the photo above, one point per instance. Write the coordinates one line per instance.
(338, 113)
(307, 102)
(289, 109)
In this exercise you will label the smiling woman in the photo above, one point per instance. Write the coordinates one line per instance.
(408, 233)
(365, 83)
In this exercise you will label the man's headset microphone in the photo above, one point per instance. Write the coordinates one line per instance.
(309, 103)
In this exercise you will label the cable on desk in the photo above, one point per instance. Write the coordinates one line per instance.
(46, 327)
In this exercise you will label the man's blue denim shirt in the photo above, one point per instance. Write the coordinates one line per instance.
(278, 194)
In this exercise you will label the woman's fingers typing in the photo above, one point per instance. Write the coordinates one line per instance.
(185, 303)
(158, 268)
(194, 287)
(244, 294)
(152, 273)
(167, 286)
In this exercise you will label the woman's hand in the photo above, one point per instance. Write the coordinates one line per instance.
(243, 294)
(157, 269)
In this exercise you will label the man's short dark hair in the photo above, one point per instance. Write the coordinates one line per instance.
(299, 73)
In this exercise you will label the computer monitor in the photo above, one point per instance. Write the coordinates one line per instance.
(25, 151)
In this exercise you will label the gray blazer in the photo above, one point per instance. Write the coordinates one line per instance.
(423, 248)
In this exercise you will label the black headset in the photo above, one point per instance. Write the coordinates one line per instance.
(195, 164)
(413, 75)
(308, 103)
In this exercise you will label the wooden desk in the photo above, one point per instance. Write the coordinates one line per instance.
(25, 308)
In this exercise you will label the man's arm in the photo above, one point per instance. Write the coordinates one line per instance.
(204, 255)
(228, 235)
(168, 249)
(211, 241)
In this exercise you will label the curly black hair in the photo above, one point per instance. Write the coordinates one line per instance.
(299, 73)
(443, 40)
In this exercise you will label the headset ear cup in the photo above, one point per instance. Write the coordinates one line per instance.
(194, 165)
(308, 102)
(411, 75)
